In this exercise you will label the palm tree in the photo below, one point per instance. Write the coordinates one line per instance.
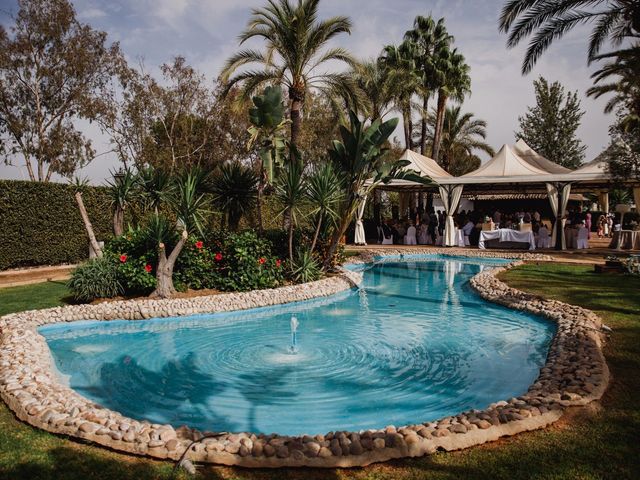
(429, 38)
(615, 20)
(455, 82)
(462, 135)
(373, 83)
(235, 190)
(404, 77)
(295, 41)
(626, 88)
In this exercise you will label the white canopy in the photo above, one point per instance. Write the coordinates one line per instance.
(506, 163)
(532, 157)
(425, 166)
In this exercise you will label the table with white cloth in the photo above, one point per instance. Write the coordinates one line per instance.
(508, 238)
(625, 240)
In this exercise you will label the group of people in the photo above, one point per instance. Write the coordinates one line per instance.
(428, 228)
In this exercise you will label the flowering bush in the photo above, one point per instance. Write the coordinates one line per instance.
(196, 267)
(246, 262)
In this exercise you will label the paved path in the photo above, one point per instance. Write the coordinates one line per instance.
(27, 276)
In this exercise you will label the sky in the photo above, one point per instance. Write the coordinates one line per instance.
(206, 31)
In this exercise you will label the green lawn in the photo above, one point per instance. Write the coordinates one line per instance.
(596, 443)
(29, 297)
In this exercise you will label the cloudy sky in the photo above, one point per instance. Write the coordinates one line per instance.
(205, 32)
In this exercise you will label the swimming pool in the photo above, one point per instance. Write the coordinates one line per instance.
(413, 343)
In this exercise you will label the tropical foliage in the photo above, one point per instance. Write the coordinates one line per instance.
(613, 21)
(462, 136)
(295, 49)
(359, 159)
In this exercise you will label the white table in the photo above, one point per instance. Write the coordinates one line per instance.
(507, 235)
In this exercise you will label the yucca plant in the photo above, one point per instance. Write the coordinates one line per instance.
(122, 189)
(324, 192)
(155, 186)
(291, 192)
(189, 200)
(234, 187)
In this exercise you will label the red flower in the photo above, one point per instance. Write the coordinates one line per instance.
(278, 262)
(123, 258)
(218, 257)
(148, 268)
(199, 244)
(262, 260)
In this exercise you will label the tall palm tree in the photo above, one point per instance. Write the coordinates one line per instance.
(429, 39)
(294, 40)
(455, 83)
(373, 83)
(546, 20)
(626, 87)
(399, 60)
(462, 136)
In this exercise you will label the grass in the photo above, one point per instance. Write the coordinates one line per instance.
(596, 443)
(30, 297)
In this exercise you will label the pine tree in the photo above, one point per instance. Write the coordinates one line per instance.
(550, 126)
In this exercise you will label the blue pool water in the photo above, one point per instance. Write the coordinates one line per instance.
(414, 344)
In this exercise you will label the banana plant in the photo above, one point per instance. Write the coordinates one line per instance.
(360, 161)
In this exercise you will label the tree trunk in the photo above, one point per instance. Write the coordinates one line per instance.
(377, 207)
(87, 225)
(118, 222)
(423, 126)
(406, 121)
(259, 208)
(164, 273)
(335, 240)
(316, 233)
(290, 239)
(296, 124)
(437, 136)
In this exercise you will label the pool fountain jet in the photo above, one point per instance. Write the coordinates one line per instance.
(293, 348)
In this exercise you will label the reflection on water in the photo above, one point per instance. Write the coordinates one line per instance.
(414, 343)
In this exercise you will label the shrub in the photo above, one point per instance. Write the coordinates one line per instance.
(305, 268)
(245, 262)
(97, 278)
(135, 256)
(41, 224)
(196, 267)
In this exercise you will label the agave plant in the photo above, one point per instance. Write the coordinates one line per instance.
(234, 188)
(304, 267)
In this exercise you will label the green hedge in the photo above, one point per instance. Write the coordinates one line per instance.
(40, 223)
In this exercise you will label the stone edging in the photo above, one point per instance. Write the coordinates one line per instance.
(575, 374)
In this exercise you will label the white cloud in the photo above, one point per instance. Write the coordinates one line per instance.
(205, 32)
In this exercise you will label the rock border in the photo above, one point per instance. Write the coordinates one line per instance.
(575, 373)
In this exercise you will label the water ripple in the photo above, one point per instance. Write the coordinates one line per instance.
(414, 344)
